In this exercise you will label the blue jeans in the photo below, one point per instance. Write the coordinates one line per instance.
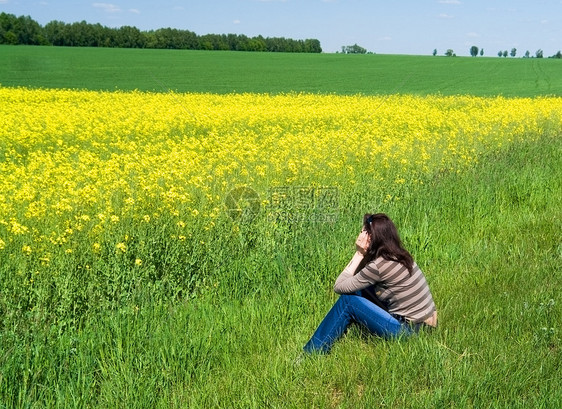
(355, 308)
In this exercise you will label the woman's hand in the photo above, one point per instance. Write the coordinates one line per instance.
(362, 243)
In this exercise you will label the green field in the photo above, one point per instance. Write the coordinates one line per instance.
(488, 238)
(225, 72)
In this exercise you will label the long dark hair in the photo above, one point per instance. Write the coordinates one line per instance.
(385, 241)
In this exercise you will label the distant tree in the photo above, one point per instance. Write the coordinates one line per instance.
(257, 44)
(450, 53)
(527, 54)
(54, 31)
(20, 30)
(353, 49)
(474, 51)
(513, 52)
(500, 53)
(505, 53)
(80, 35)
(312, 46)
(130, 37)
(538, 53)
(221, 42)
(24, 30)
(481, 52)
(434, 52)
(557, 55)
(10, 38)
(9, 28)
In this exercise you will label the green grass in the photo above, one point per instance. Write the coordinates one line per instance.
(225, 72)
(488, 240)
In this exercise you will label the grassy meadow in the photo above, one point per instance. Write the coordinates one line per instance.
(226, 72)
(171, 224)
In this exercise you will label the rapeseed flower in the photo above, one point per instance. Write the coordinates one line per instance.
(85, 163)
(122, 247)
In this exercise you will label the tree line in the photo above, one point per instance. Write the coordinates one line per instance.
(474, 51)
(354, 49)
(26, 31)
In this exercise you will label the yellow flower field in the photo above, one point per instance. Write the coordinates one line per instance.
(82, 160)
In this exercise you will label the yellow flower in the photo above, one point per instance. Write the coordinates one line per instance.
(138, 262)
(26, 249)
(122, 247)
(17, 228)
(141, 145)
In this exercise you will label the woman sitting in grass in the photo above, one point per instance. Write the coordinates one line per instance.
(382, 288)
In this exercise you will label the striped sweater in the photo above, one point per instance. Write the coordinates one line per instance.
(403, 294)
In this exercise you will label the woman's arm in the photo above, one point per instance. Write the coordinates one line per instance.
(348, 282)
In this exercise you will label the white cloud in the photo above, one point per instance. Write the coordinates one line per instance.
(473, 35)
(445, 15)
(134, 11)
(236, 21)
(449, 2)
(107, 7)
(4, 1)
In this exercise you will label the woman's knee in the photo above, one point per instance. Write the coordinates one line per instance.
(346, 299)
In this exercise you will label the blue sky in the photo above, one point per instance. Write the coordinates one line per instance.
(383, 27)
